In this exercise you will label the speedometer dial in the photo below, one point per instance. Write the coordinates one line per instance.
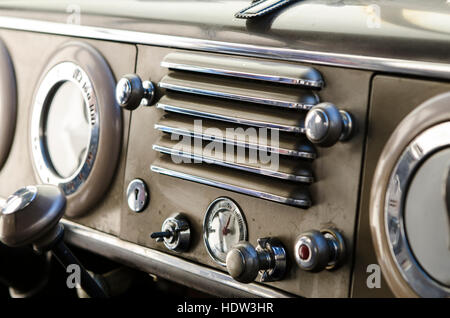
(223, 227)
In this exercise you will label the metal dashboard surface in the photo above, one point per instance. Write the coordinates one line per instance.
(135, 36)
(334, 203)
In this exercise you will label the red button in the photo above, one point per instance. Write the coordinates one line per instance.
(303, 252)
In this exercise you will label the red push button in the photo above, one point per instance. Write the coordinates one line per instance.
(303, 252)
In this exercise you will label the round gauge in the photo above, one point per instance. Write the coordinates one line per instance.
(76, 126)
(65, 127)
(410, 203)
(223, 227)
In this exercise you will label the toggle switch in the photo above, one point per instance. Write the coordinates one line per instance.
(175, 233)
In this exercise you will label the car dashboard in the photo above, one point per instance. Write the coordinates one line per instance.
(284, 153)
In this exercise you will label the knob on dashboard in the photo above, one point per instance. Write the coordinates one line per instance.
(30, 213)
(131, 92)
(319, 250)
(244, 261)
(325, 125)
(31, 216)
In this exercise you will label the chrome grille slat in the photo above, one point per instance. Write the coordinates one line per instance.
(291, 98)
(234, 120)
(299, 197)
(303, 175)
(244, 68)
(170, 129)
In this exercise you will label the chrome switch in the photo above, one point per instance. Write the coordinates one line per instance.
(175, 233)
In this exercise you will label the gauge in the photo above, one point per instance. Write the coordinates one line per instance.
(223, 227)
(67, 129)
(76, 126)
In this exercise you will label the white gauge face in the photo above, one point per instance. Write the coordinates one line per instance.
(223, 227)
(67, 129)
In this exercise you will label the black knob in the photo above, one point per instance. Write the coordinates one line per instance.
(325, 125)
(131, 92)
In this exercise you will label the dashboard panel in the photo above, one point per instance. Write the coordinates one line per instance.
(236, 157)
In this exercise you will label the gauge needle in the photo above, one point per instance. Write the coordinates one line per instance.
(225, 230)
(221, 234)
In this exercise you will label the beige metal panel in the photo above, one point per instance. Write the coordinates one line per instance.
(392, 99)
(30, 53)
(335, 193)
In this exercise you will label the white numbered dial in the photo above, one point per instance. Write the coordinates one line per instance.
(223, 227)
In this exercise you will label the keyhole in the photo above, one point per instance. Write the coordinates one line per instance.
(136, 193)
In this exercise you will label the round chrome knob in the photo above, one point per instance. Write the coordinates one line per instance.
(244, 261)
(325, 125)
(31, 213)
(131, 92)
(318, 250)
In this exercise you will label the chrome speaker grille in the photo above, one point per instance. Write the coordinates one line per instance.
(244, 95)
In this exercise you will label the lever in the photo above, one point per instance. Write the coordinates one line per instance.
(31, 216)
(175, 233)
(158, 235)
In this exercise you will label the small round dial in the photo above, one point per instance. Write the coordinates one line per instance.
(223, 227)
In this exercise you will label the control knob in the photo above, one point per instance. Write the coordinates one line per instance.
(244, 261)
(131, 92)
(325, 125)
(31, 216)
(318, 250)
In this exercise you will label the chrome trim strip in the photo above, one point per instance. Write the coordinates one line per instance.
(241, 98)
(247, 122)
(259, 194)
(389, 65)
(247, 75)
(164, 265)
(234, 165)
(281, 151)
